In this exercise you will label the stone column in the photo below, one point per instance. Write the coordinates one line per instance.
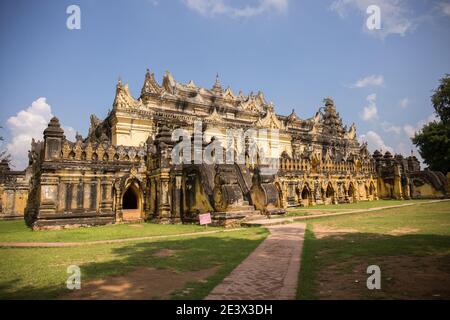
(74, 203)
(48, 195)
(80, 195)
(61, 197)
(163, 209)
(119, 208)
(106, 202)
(176, 205)
(86, 195)
(397, 183)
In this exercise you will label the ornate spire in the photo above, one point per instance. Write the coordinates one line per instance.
(53, 129)
(150, 85)
(123, 97)
(217, 86)
(293, 116)
(331, 119)
(169, 83)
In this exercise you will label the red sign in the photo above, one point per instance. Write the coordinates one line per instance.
(205, 218)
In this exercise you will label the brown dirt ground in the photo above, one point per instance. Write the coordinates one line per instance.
(140, 284)
(163, 253)
(402, 231)
(402, 277)
(323, 231)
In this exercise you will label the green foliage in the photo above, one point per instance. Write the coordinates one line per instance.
(4, 155)
(441, 99)
(433, 143)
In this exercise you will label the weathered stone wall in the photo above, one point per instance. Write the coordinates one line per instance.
(14, 189)
(124, 171)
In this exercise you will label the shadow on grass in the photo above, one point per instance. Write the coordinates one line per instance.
(188, 254)
(342, 253)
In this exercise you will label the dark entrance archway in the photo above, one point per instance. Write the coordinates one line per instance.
(132, 202)
(306, 196)
(329, 195)
(352, 193)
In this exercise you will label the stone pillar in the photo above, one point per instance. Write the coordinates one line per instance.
(53, 137)
(86, 195)
(48, 195)
(118, 206)
(80, 195)
(164, 212)
(61, 196)
(397, 183)
(106, 202)
(74, 204)
(177, 178)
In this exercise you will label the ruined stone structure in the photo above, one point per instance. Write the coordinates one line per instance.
(125, 169)
(14, 189)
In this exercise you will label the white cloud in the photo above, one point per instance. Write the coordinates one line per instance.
(404, 103)
(395, 15)
(211, 8)
(444, 8)
(375, 142)
(411, 130)
(370, 112)
(26, 125)
(372, 80)
(388, 127)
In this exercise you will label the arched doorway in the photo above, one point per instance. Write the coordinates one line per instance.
(132, 203)
(351, 193)
(329, 195)
(306, 195)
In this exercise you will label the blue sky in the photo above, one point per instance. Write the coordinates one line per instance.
(296, 52)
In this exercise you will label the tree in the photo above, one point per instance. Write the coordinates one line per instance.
(4, 155)
(433, 141)
(441, 99)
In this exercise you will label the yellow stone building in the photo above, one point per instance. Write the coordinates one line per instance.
(137, 163)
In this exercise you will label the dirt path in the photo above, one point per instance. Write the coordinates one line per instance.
(268, 273)
(112, 241)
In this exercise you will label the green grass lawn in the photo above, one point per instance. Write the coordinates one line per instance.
(40, 273)
(411, 245)
(357, 205)
(335, 208)
(17, 231)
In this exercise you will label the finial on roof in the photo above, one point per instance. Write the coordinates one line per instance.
(217, 86)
